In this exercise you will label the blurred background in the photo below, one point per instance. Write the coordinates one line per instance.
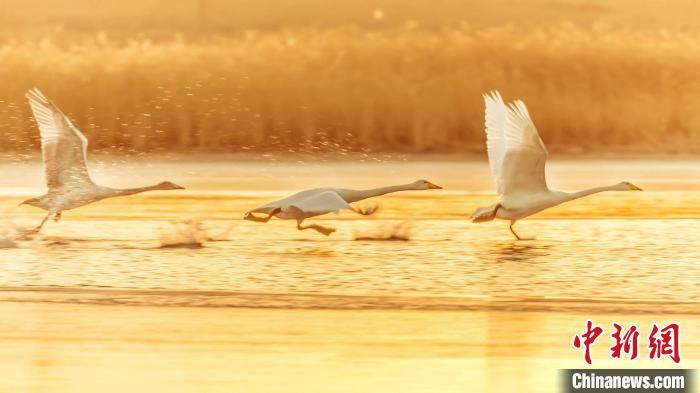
(244, 102)
(369, 75)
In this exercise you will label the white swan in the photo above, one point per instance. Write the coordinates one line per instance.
(517, 157)
(319, 201)
(64, 150)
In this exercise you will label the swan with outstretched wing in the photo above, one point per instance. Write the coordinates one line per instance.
(64, 152)
(319, 201)
(517, 157)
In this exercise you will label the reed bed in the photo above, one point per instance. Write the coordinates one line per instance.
(406, 89)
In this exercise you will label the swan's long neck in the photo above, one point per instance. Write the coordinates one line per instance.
(590, 191)
(358, 195)
(132, 191)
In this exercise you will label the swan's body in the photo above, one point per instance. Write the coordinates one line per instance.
(517, 157)
(64, 152)
(319, 201)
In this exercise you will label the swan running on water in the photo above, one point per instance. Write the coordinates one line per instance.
(319, 201)
(517, 157)
(64, 150)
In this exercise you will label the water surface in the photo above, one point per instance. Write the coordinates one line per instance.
(176, 287)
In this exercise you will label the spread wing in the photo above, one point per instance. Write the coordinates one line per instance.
(63, 146)
(495, 119)
(516, 153)
(325, 202)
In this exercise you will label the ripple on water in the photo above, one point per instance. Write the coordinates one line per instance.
(589, 259)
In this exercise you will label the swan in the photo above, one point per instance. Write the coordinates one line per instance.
(64, 151)
(517, 157)
(319, 201)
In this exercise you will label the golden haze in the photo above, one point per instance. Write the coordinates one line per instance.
(374, 80)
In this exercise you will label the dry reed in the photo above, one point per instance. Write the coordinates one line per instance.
(407, 89)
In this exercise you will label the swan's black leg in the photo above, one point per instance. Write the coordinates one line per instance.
(318, 228)
(512, 231)
(57, 217)
(249, 216)
(37, 229)
(516, 235)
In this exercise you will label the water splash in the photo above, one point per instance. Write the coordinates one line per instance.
(184, 234)
(11, 233)
(7, 242)
(221, 236)
(386, 232)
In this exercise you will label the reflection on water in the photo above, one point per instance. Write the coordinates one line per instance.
(68, 348)
(570, 259)
(519, 251)
(264, 308)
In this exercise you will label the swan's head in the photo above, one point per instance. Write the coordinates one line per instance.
(32, 202)
(166, 185)
(423, 185)
(627, 186)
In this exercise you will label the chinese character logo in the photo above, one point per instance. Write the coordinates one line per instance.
(589, 337)
(626, 343)
(664, 342)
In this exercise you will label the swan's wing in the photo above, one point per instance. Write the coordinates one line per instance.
(523, 168)
(63, 146)
(290, 200)
(495, 119)
(322, 203)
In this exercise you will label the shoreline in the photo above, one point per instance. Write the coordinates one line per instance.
(205, 156)
(226, 299)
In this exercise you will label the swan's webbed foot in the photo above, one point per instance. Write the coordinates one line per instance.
(321, 229)
(367, 210)
(251, 217)
(38, 228)
(318, 228)
(516, 235)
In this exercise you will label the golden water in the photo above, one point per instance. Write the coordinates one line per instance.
(97, 303)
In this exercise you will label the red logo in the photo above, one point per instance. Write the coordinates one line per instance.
(589, 337)
(662, 341)
(667, 345)
(626, 343)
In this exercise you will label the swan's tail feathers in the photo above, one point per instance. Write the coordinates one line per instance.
(484, 214)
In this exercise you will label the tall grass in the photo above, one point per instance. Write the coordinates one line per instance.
(406, 89)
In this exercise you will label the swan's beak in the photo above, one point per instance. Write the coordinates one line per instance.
(431, 186)
(634, 188)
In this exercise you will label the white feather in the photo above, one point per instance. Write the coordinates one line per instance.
(63, 146)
